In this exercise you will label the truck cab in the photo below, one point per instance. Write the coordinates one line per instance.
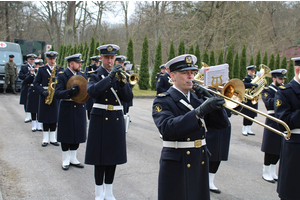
(6, 49)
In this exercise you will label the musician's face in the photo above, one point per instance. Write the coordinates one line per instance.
(120, 63)
(251, 72)
(279, 81)
(75, 66)
(51, 61)
(108, 61)
(183, 80)
(31, 61)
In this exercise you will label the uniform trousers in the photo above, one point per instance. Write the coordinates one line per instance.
(51, 126)
(247, 122)
(271, 159)
(33, 116)
(108, 170)
(66, 146)
(214, 166)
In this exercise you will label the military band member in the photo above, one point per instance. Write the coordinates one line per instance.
(162, 71)
(71, 127)
(287, 108)
(88, 70)
(106, 144)
(162, 84)
(181, 118)
(24, 72)
(32, 104)
(246, 130)
(10, 74)
(129, 104)
(47, 114)
(271, 142)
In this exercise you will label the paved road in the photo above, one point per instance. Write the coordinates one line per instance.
(29, 171)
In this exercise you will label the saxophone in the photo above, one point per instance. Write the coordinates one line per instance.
(253, 93)
(49, 98)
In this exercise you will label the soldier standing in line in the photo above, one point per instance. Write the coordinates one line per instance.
(24, 72)
(47, 113)
(246, 130)
(162, 84)
(106, 144)
(71, 128)
(181, 118)
(88, 70)
(32, 104)
(10, 73)
(162, 71)
(287, 108)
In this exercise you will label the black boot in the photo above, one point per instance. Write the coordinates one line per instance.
(4, 90)
(14, 91)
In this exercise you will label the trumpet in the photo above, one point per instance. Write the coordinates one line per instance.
(132, 78)
(234, 92)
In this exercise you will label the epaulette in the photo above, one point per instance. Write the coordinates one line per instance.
(266, 88)
(162, 94)
(282, 87)
(162, 74)
(61, 72)
(91, 71)
(24, 64)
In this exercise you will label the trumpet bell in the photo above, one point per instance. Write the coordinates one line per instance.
(82, 96)
(133, 79)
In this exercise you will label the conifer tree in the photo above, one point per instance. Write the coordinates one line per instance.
(157, 63)
(75, 50)
(62, 59)
(258, 59)
(96, 52)
(229, 61)
(52, 48)
(171, 52)
(80, 48)
(283, 63)
(265, 59)
(191, 50)
(251, 62)
(220, 58)
(144, 67)
(59, 51)
(243, 63)
(129, 53)
(181, 48)
(198, 56)
(290, 72)
(272, 62)
(277, 62)
(212, 60)
(91, 51)
(205, 58)
(236, 66)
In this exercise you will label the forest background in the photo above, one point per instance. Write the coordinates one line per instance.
(239, 33)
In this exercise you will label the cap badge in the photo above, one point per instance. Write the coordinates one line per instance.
(32, 56)
(283, 72)
(79, 56)
(109, 48)
(278, 102)
(122, 58)
(188, 59)
(51, 54)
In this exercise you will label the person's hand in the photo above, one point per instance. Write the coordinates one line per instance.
(211, 104)
(200, 91)
(74, 90)
(115, 69)
(45, 93)
(254, 85)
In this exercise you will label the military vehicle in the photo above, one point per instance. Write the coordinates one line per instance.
(36, 47)
(6, 49)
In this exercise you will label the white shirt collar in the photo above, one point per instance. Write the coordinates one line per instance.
(74, 73)
(186, 95)
(296, 81)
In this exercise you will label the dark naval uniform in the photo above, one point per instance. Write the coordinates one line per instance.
(106, 144)
(47, 113)
(247, 82)
(71, 127)
(24, 72)
(157, 76)
(88, 70)
(183, 170)
(32, 96)
(287, 108)
(271, 142)
(162, 84)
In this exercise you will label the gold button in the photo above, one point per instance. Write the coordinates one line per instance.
(203, 151)
(188, 152)
(188, 165)
(106, 99)
(105, 90)
(74, 106)
(202, 136)
(116, 100)
(117, 119)
(202, 125)
(32, 90)
(82, 105)
(202, 163)
(188, 139)
(116, 90)
(106, 118)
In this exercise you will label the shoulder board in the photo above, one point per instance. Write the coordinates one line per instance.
(157, 73)
(266, 88)
(162, 74)
(282, 87)
(162, 94)
(61, 72)
(24, 64)
(91, 71)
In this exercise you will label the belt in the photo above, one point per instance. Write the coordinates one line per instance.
(107, 107)
(67, 99)
(271, 112)
(294, 131)
(45, 87)
(31, 84)
(182, 145)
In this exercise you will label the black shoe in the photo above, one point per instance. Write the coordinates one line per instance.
(217, 191)
(33, 130)
(65, 167)
(44, 144)
(270, 181)
(39, 129)
(251, 133)
(14, 92)
(79, 165)
(28, 120)
(54, 143)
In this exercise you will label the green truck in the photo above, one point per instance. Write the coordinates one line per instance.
(6, 49)
(36, 47)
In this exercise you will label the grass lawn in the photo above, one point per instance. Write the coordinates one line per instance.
(137, 92)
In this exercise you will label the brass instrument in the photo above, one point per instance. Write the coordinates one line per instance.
(79, 80)
(234, 91)
(132, 78)
(51, 89)
(253, 93)
(200, 76)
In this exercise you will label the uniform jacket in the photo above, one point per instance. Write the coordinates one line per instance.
(24, 72)
(157, 76)
(47, 113)
(71, 127)
(33, 96)
(176, 122)
(271, 142)
(247, 82)
(10, 68)
(162, 84)
(287, 108)
(126, 105)
(106, 144)
(88, 70)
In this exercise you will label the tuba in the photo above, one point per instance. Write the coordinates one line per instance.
(253, 93)
(51, 89)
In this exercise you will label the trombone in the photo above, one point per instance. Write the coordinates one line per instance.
(234, 91)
